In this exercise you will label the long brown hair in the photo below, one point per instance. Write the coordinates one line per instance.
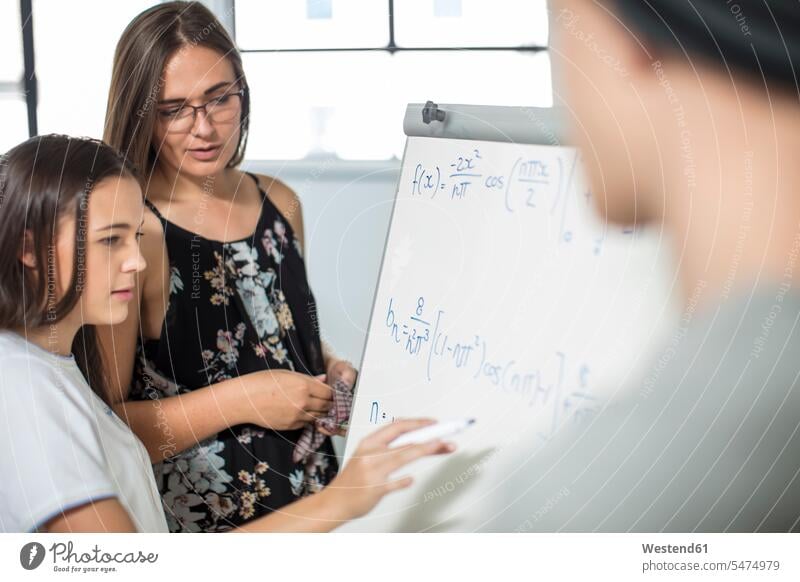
(141, 56)
(43, 180)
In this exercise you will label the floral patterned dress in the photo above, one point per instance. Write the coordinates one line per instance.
(234, 308)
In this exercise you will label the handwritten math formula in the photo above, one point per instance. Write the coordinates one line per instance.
(421, 333)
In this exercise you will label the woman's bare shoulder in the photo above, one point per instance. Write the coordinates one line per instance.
(285, 200)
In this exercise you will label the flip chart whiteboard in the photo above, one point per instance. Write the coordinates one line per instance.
(502, 297)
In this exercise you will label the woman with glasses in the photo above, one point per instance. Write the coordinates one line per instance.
(221, 367)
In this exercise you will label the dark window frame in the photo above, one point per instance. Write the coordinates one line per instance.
(29, 84)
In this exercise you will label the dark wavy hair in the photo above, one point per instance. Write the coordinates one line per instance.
(760, 38)
(43, 180)
(137, 77)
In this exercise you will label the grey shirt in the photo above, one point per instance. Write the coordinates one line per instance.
(708, 441)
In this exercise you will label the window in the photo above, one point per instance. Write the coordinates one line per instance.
(333, 77)
(311, 24)
(328, 77)
(470, 23)
(74, 45)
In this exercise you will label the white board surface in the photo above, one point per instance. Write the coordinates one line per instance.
(502, 297)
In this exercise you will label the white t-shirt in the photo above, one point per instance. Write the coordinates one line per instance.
(61, 446)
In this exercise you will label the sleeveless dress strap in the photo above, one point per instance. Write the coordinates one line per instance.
(258, 185)
(152, 207)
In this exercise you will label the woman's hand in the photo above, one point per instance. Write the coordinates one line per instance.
(344, 371)
(285, 400)
(367, 477)
(338, 432)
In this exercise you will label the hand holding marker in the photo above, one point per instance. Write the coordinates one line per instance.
(434, 431)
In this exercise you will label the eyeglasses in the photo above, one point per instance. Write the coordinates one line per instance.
(220, 109)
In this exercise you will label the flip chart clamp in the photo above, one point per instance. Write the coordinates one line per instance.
(431, 112)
